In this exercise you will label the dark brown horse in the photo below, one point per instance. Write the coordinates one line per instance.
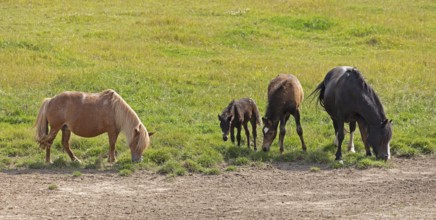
(285, 95)
(89, 115)
(346, 97)
(239, 113)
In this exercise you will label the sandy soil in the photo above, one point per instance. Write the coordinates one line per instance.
(282, 191)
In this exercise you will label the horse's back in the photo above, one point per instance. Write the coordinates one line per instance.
(286, 88)
(86, 114)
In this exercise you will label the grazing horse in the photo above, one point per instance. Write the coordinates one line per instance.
(239, 113)
(346, 97)
(285, 95)
(89, 115)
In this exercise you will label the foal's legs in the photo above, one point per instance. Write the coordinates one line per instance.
(247, 133)
(66, 133)
(299, 128)
(282, 133)
(232, 134)
(254, 132)
(351, 142)
(238, 134)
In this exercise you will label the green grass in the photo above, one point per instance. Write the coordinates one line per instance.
(179, 64)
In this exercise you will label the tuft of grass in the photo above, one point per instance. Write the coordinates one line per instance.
(241, 161)
(230, 168)
(77, 174)
(212, 171)
(125, 172)
(314, 169)
(53, 187)
(370, 162)
(191, 166)
(172, 167)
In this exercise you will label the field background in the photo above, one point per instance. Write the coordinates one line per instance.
(178, 64)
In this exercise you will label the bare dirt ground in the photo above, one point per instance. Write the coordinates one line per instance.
(282, 191)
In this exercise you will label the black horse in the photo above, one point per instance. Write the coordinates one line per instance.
(346, 97)
(239, 113)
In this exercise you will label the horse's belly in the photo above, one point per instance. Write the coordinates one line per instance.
(87, 131)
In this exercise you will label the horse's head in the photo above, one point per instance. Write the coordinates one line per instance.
(225, 122)
(269, 133)
(379, 138)
(139, 142)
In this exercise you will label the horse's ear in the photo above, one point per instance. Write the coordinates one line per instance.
(384, 123)
(219, 117)
(137, 129)
(151, 133)
(265, 121)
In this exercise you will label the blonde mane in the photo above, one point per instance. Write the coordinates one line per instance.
(128, 121)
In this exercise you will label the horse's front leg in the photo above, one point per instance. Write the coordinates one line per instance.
(66, 133)
(232, 133)
(364, 135)
(113, 135)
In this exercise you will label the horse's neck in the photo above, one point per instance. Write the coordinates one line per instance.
(372, 111)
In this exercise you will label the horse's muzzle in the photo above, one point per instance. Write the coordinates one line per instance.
(384, 157)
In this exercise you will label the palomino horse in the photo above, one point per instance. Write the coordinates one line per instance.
(346, 97)
(89, 115)
(239, 113)
(285, 95)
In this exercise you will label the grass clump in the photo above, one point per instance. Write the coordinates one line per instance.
(53, 187)
(241, 161)
(212, 171)
(77, 174)
(172, 167)
(230, 168)
(125, 172)
(314, 169)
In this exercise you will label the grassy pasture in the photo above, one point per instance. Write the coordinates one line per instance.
(179, 63)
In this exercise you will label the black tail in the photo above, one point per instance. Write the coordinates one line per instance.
(319, 89)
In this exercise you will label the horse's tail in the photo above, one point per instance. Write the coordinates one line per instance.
(41, 123)
(320, 89)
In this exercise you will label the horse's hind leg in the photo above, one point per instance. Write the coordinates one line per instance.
(247, 133)
(299, 128)
(282, 133)
(49, 141)
(66, 134)
(254, 132)
(351, 142)
(238, 134)
(340, 136)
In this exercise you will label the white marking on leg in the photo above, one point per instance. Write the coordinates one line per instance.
(336, 141)
(265, 130)
(389, 150)
(351, 143)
